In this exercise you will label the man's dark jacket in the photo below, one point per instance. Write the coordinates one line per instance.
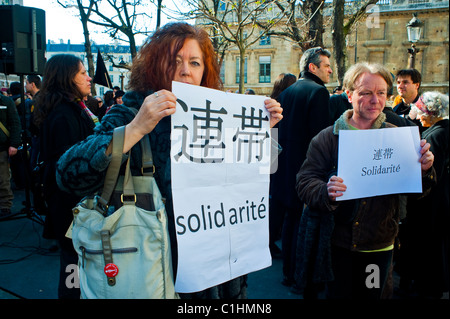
(11, 120)
(403, 110)
(305, 113)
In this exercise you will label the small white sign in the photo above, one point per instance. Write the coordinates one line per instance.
(379, 162)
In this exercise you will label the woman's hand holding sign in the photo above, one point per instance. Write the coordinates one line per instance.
(155, 107)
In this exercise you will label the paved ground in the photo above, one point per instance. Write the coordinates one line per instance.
(29, 264)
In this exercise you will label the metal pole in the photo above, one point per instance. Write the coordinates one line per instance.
(412, 56)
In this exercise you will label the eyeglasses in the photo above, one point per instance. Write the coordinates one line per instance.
(318, 50)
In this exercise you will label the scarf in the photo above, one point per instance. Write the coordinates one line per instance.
(88, 112)
(342, 123)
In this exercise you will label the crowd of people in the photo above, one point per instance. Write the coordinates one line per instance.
(326, 244)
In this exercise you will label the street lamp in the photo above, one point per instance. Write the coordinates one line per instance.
(121, 76)
(414, 28)
(122, 64)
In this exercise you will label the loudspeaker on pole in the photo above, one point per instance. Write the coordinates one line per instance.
(22, 40)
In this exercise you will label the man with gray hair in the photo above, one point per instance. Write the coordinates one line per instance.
(305, 110)
(351, 234)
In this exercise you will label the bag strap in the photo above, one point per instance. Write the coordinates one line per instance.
(113, 169)
(4, 129)
(148, 168)
(147, 156)
(128, 194)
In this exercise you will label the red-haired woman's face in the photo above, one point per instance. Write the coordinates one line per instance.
(190, 64)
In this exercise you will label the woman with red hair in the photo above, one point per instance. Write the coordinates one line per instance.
(175, 52)
(155, 65)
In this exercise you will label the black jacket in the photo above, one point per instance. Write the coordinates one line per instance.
(305, 113)
(10, 119)
(359, 224)
(403, 111)
(338, 105)
(64, 126)
(436, 203)
(425, 228)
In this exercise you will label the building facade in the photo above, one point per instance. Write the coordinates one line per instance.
(113, 54)
(381, 37)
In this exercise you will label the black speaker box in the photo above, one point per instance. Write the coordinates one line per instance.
(22, 40)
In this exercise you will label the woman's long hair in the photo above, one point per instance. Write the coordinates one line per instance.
(283, 81)
(58, 85)
(155, 65)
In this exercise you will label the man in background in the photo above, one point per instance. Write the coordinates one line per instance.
(408, 84)
(305, 113)
(10, 140)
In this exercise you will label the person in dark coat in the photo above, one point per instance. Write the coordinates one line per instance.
(282, 82)
(338, 104)
(408, 85)
(364, 229)
(188, 56)
(118, 97)
(63, 120)
(9, 143)
(17, 163)
(305, 105)
(424, 236)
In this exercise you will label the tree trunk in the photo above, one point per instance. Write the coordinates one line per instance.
(87, 44)
(241, 46)
(241, 70)
(338, 38)
(158, 14)
(316, 24)
(133, 49)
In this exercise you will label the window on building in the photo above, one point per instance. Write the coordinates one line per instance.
(264, 40)
(418, 1)
(376, 57)
(378, 33)
(238, 59)
(222, 6)
(264, 69)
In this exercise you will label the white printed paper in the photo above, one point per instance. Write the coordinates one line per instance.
(379, 162)
(220, 145)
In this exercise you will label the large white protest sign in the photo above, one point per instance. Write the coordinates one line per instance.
(379, 162)
(220, 154)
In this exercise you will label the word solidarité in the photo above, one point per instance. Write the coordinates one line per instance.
(209, 220)
(380, 170)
